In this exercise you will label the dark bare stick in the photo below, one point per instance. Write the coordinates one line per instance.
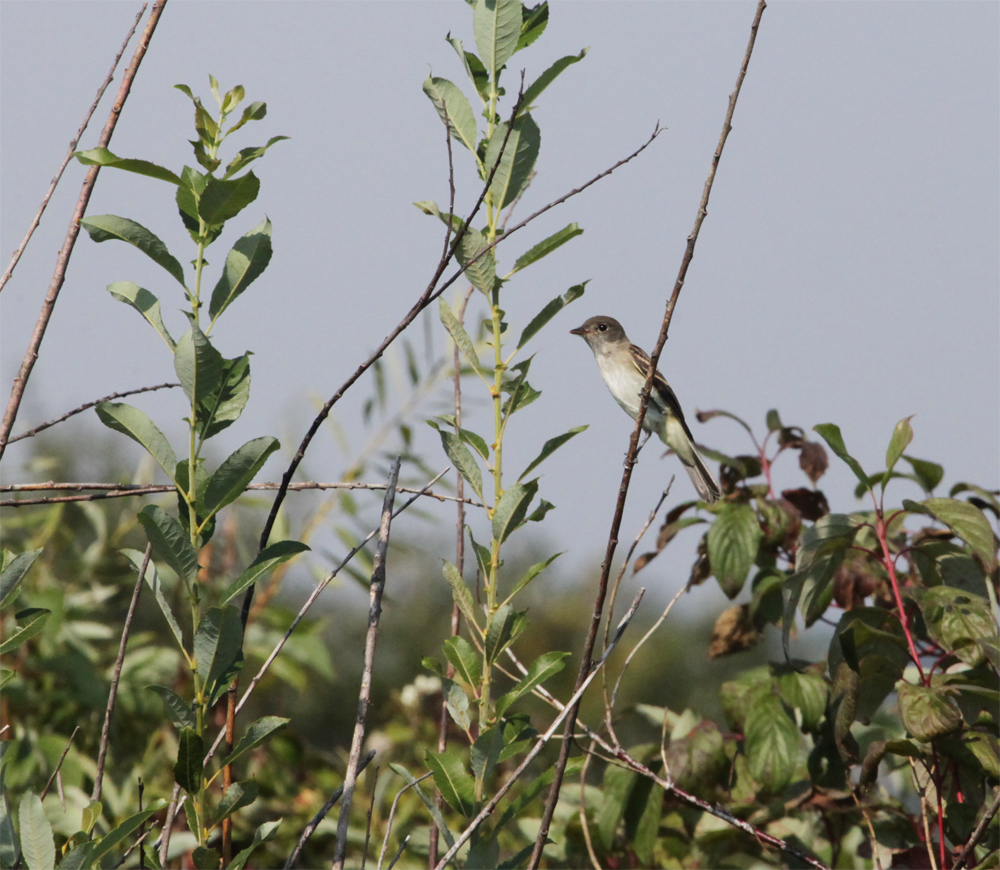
(364, 695)
(113, 694)
(62, 758)
(553, 796)
(69, 154)
(62, 262)
(967, 850)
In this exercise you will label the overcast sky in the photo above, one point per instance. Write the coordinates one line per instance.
(847, 271)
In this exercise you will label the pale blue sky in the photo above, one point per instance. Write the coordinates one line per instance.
(847, 270)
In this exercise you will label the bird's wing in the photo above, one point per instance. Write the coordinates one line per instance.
(662, 393)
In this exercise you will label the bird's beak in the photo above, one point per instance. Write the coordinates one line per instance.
(578, 331)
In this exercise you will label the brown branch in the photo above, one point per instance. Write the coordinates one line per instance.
(69, 155)
(62, 758)
(62, 262)
(553, 796)
(364, 694)
(116, 676)
(392, 814)
(977, 834)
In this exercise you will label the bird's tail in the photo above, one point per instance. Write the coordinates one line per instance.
(675, 436)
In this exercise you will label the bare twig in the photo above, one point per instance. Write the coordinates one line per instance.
(69, 154)
(116, 676)
(168, 825)
(364, 694)
(571, 705)
(311, 827)
(553, 796)
(62, 262)
(399, 851)
(62, 758)
(86, 407)
(368, 819)
(388, 824)
(967, 850)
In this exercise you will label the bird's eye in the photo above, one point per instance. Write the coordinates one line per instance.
(603, 327)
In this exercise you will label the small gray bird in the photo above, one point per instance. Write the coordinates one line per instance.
(625, 368)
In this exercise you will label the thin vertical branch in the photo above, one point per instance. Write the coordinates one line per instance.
(69, 154)
(113, 694)
(62, 758)
(588, 649)
(967, 850)
(227, 771)
(62, 262)
(364, 695)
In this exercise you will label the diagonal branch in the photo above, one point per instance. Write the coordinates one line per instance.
(588, 649)
(62, 262)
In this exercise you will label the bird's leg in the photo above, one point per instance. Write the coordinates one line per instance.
(644, 440)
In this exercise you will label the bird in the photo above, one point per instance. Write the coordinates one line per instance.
(625, 367)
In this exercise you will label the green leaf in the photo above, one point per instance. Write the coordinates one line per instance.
(733, 540)
(103, 157)
(543, 249)
(178, 709)
(244, 264)
(820, 572)
(234, 475)
(517, 161)
(170, 543)
(954, 618)
(477, 442)
(460, 592)
(152, 580)
(431, 805)
(124, 830)
(199, 366)
(77, 858)
(546, 665)
(453, 107)
(260, 731)
(218, 644)
(520, 392)
(774, 421)
(830, 433)
(248, 155)
(805, 691)
(534, 90)
(473, 67)
(772, 743)
(531, 574)
(462, 459)
(533, 23)
(927, 711)
(263, 833)
(550, 310)
(267, 560)
(14, 572)
(457, 702)
(37, 844)
(223, 199)
(497, 26)
(134, 423)
(485, 752)
(109, 226)
(465, 659)
(928, 474)
(223, 406)
(454, 782)
(32, 620)
(459, 335)
(190, 761)
(483, 272)
(901, 437)
(145, 303)
(550, 447)
(237, 796)
(829, 534)
(502, 629)
(965, 520)
(9, 849)
(511, 509)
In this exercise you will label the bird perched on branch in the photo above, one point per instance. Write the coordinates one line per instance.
(625, 368)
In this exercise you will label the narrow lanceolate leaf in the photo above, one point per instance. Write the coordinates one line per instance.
(461, 593)
(473, 67)
(123, 831)
(498, 632)
(517, 160)
(103, 157)
(830, 433)
(169, 540)
(968, 522)
(37, 844)
(546, 665)
(248, 155)
(732, 546)
(224, 199)
(901, 438)
(453, 107)
(483, 272)
(30, 623)
(217, 642)
(190, 760)
(152, 580)
(260, 731)
(533, 22)
(459, 335)
(454, 782)
(267, 560)
(531, 574)
(431, 805)
(485, 752)
(550, 447)
(132, 422)
(145, 303)
(109, 226)
(199, 366)
(466, 660)
(513, 506)
(534, 90)
(549, 311)
(547, 246)
(497, 26)
(12, 575)
(263, 833)
(462, 459)
(237, 796)
(178, 709)
(234, 475)
(244, 264)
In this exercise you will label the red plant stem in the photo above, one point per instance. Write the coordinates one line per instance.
(890, 564)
